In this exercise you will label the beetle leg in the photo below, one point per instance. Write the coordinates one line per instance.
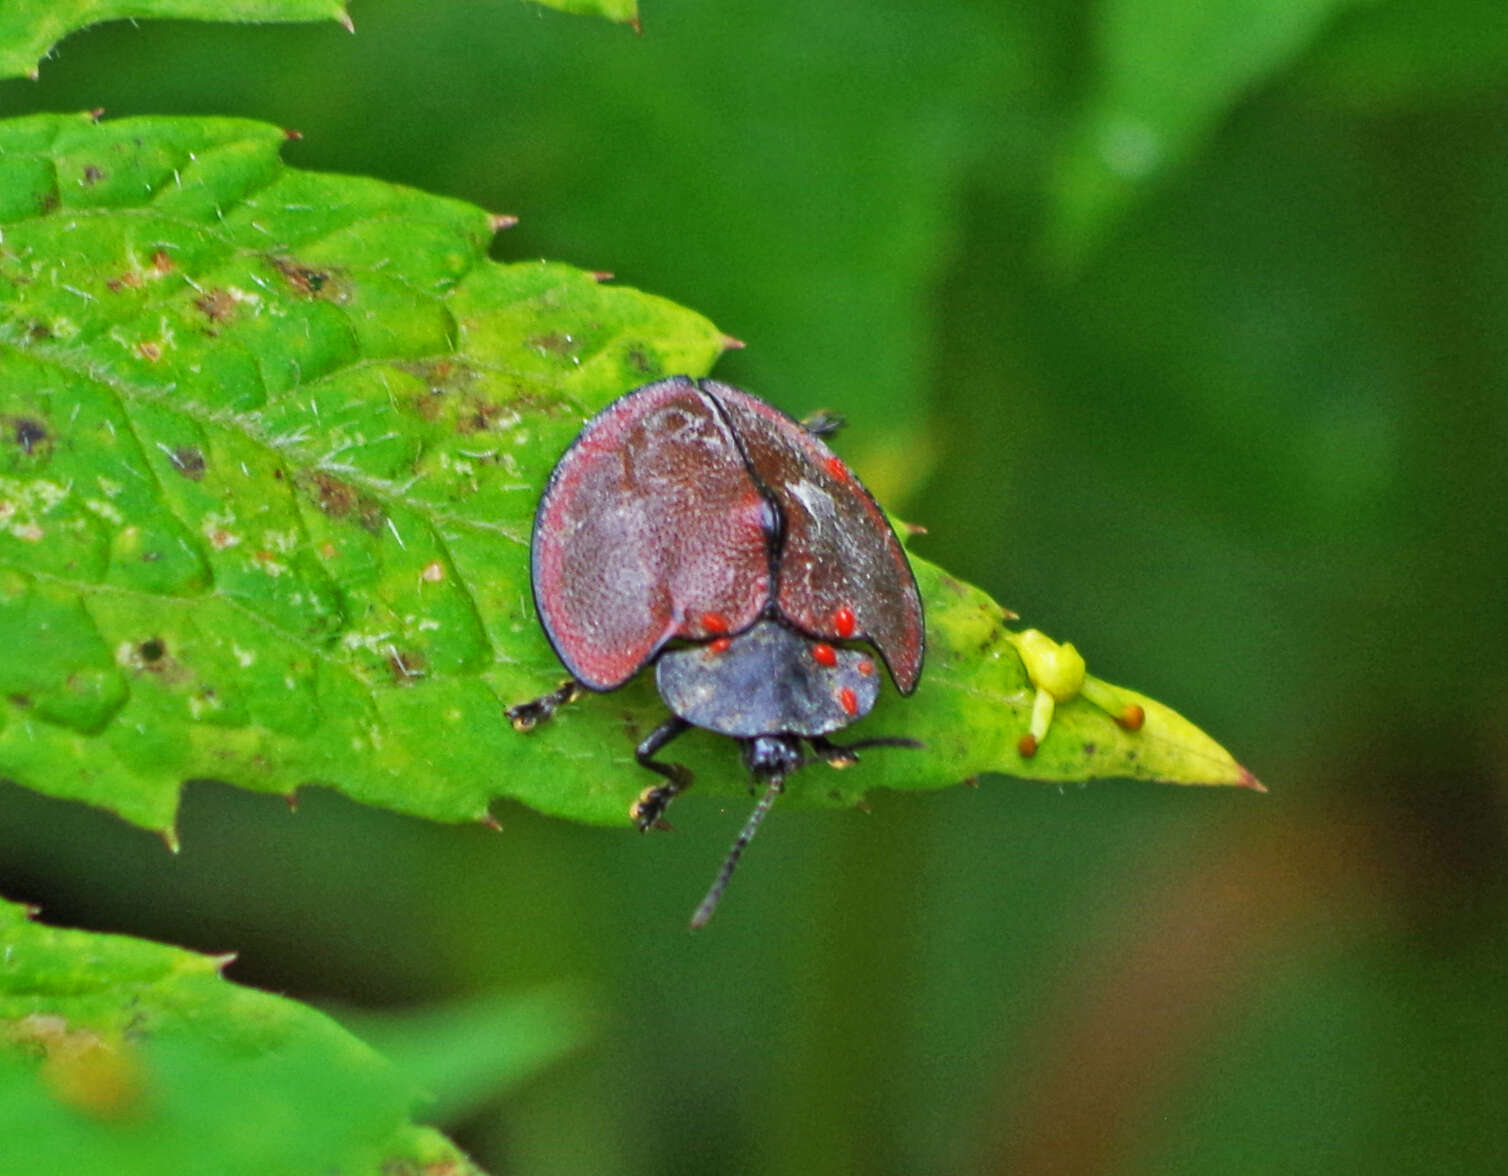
(845, 755)
(649, 809)
(527, 715)
(824, 422)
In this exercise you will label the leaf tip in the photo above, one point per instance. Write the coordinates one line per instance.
(501, 220)
(292, 135)
(95, 114)
(489, 821)
(602, 275)
(729, 343)
(345, 20)
(1247, 780)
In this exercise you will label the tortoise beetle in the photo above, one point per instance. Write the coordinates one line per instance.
(693, 526)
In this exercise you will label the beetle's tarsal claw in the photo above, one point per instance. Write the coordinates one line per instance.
(648, 810)
(525, 716)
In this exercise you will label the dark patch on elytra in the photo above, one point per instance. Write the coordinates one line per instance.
(29, 434)
(188, 460)
(340, 500)
(309, 282)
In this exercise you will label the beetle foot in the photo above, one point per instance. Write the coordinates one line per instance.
(648, 811)
(845, 755)
(525, 716)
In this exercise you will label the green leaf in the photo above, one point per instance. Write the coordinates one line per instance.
(122, 1056)
(1167, 71)
(30, 28)
(622, 11)
(270, 447)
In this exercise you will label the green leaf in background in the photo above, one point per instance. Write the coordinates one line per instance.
(122, 1056)
(270, 447)
(1166, 72)
(622, 11)
(30, 28)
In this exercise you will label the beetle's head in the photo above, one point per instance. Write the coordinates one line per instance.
(769, 757)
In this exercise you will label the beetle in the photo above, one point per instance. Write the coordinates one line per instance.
(694, 527)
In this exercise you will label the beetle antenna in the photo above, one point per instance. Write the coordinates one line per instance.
(708, 907)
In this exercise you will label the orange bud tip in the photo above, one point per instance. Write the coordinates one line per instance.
(1027, 745)
(292, 135)
(1247, 780)
(34, 74)
(291, 800)
(94, 115)
(914, 528)
(731, 344)
(501, 220)
(638, 28)
(970, 782)
(602, 275)
(1132, 717)
(720, 644)
(490, 822)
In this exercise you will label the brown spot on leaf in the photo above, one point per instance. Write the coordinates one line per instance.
(340, 500)
(151, 651)
(309, 282)
(642, 362)
(21, 700)
(555, 343)
(38, 331)
(188, 460)
(30, 434)
(480, 415)
(216, 304)
(149, 351)
(92, 175)
(407, 666)
(161, 262)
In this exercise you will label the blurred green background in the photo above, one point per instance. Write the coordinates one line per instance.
(1184, 330)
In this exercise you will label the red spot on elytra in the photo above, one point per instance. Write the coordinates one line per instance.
(715, 622)
(837, 469)
(825, 655)
(720, 644)
(849, 701)
(866, 667)
(845, 622)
